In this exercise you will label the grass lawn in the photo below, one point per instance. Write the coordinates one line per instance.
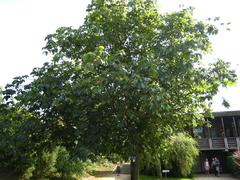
(155, 178)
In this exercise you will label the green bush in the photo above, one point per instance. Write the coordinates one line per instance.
(66, 166)
(45, 164)
(183, 152)
(28, 173)
(180, 157)
(232, 166)
(63, 164)
(56, 163)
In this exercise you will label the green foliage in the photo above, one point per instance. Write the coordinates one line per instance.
(63, 164)
(45, 164)
(1, 95)
(182, 153)
(122, 83)
(179, 156)
(232, 166)
(18, 142)
(225, 103)
(68, 167)
(28, 173)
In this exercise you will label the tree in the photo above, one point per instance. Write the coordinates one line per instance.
(183, 152)
(19, 142)
(125, 80)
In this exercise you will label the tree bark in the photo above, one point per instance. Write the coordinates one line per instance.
(160, 169)
(135, 169)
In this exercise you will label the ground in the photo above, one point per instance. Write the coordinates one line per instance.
(107, 174)
(110, 177)
(127, 177)
(125, 171)
(212, 177)
(110, 174)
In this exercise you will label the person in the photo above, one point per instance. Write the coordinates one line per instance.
(217, 167)
(118, 170)
(206, 166)
(213, 166)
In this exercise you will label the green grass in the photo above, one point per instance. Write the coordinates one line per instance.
(155, 178)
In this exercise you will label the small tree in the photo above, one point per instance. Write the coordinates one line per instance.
(182, 153)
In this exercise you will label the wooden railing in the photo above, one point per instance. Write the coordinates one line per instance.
(219, 143)
(203, 143)
(232, 142)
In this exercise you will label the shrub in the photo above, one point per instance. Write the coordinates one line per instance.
(66, 166)
(28, 173)
(234, 163)
(180, 157)
(45, 164)
(183, 152)
(63, 164)
(231, 165)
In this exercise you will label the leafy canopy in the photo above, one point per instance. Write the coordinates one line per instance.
(125, 80)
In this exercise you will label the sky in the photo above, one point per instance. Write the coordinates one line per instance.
(25, 23)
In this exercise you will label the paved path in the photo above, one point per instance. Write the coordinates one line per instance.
(212, 177)
(127, 177)
(111, 175)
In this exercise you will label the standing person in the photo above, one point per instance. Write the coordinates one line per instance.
(206, 166)
(118, 170)
(213, 166)
(217, 167)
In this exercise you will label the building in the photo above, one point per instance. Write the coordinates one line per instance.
(221, 139)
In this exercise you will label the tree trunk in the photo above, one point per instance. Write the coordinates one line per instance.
(135, 169)
(160, 169)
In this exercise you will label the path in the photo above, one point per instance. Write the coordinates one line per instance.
(125, 175)
(108, 175)
(212, 177)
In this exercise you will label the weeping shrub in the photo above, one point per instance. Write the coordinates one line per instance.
(179, 156)
(182, 153)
